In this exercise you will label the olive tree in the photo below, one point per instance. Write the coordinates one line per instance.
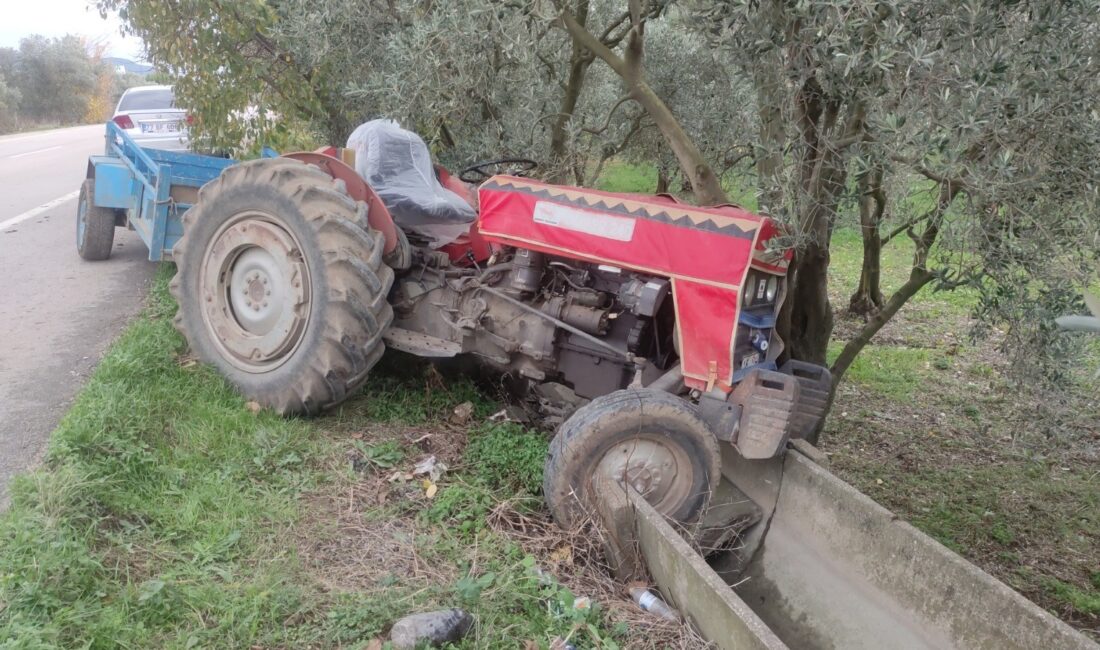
(871, 98)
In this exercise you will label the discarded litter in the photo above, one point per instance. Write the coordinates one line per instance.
(430, 467)
(653, 604)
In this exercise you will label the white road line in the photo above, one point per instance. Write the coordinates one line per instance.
(31, 153)
(34, 212)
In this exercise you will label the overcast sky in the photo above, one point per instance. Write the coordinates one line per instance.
(21, 18)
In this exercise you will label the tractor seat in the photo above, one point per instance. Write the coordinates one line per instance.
(398, 166)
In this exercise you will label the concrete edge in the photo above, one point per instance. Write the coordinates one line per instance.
(694, 588)
(948, 591)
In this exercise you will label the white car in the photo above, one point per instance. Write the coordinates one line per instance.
(148, 114)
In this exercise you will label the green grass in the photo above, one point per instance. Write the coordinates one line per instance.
(160, 493)
(627, 177)
(894, 372)
(1085, 602)
(167, 514)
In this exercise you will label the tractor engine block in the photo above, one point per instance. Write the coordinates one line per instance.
(539, 318)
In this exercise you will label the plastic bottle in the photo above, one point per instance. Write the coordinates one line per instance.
(653, 604)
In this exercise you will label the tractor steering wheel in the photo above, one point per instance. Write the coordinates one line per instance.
(481, 171)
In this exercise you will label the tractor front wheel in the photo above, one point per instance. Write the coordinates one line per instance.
(650, 440)
(281, 285)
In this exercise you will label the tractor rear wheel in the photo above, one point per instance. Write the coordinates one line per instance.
(95, 226)
(281, 285)
(650, 440)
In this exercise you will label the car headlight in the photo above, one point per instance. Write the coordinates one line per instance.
(773, 288)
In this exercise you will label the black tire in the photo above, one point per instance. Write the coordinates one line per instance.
(283, 212)
(95, 225)
(589, 441)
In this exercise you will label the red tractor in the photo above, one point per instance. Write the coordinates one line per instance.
(657, 318)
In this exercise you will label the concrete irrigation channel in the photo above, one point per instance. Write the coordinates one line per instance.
(816, 564)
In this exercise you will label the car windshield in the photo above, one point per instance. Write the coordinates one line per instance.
(146, 100)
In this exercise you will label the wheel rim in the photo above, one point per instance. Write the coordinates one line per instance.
(255, 288)
(655, 466)
(81, 218)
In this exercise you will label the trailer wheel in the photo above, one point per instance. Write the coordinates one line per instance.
(279, 287)
(95, 225)
(650, 439)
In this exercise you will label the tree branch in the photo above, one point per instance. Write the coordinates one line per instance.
(904, 227)
(606, 37)
(633, 54)
(585, 38)
(929, 174)
(610, 113)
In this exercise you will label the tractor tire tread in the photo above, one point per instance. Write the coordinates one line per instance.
(350, 287)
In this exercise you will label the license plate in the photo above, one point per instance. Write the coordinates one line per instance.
(750, 360)
(161, 127)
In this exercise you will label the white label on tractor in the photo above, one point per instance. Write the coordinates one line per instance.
(585, 221)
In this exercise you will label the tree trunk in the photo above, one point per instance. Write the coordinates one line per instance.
(772, 136)
(868, 298)
(579, 61)
(810, 317)
(663, 179)
(822, 174)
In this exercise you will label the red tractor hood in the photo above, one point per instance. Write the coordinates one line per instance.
(706, 252)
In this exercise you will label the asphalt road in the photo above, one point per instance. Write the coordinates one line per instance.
(58, 313)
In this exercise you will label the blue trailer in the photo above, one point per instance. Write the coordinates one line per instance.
(146, 190)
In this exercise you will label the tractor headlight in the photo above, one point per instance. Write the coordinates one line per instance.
(760, 289)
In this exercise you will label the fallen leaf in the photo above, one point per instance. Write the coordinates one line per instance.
(432, 489)
(400, 476)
